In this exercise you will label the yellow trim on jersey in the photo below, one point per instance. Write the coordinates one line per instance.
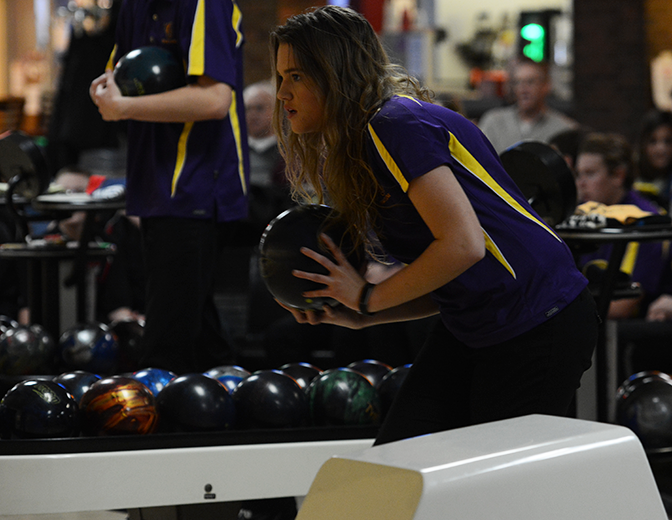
(110, 61)
(236, 20)
(408, 97)
(629, 258)
(181, 156)
(237, 135)
(495, 251)
(462, 155)
(388, 160)
(197, 44)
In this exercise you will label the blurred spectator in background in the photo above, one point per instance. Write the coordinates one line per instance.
(75, 124)
(529, 118)
(269, 192)
(654, 157)
(605, 174)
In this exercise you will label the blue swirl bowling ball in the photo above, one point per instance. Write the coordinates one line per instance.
(228, 375)
(343, 397)
(228, 370)
(372, 369)
(303, 373)
(38, 409)
(155, 379)
(644, 404)
(195, 402)
(77, 382)
(270, 399)
(389, 386)
(25, 350)
(280, 253)
(91, 347)
(148, 70)
(118, 405)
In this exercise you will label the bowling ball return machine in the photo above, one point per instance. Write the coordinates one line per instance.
(517, 469)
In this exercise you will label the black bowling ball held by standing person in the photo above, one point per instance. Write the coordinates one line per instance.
(148, 70)
(280, 253)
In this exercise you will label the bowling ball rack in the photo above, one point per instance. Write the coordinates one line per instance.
(157, 441)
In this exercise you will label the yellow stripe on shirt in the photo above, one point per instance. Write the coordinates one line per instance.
(236, 20)
(110, 62)
(497, 253)
(237, 135)
(388, 160)
(181, 156)
(630, 258)
(462, 155)
(197, 44)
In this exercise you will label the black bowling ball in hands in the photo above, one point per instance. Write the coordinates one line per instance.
(280, 253)
(148, 70)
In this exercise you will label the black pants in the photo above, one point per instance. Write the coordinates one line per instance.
(183, 331)
(452, 385)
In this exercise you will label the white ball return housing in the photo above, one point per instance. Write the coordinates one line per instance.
(529, 468)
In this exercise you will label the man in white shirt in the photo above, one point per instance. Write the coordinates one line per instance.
(530, 118)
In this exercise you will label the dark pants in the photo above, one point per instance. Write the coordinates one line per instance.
(183, 331)
(452, 385)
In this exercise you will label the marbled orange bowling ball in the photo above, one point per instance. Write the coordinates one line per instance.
(118, 405)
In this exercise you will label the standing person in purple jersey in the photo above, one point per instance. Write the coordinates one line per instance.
(518, 326)
(188, 170)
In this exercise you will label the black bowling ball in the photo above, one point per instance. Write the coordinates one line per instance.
(270, 399)
(195, 403)
(280, 253)
(77, 382)
(302, 373)
(37, 409)
(644, 404)
(7, 323)
(25, 350)
(129, 333)
(372, 369)
(148, 70)
(389, 386)
(91, 347)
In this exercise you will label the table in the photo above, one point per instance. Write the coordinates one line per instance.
(158, 470)
(619, 238)
(43, 260)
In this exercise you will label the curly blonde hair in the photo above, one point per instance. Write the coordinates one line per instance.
(339, 51)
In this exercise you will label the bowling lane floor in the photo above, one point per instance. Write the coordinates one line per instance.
(83, 515)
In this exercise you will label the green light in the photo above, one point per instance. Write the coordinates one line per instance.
(533, 31)
(535, 34)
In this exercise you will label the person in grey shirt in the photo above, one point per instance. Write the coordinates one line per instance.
(530, 118)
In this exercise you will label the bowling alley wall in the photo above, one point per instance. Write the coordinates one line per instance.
(612, 45)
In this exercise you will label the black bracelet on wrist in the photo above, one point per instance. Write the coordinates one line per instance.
(364, 297)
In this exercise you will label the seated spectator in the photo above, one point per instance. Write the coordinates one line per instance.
(529, 118)
(654, 158)
(605, 174)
